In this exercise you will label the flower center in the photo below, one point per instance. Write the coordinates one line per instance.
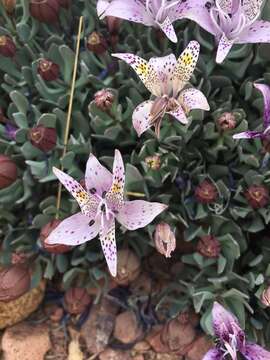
(103, 209)
(159, 9)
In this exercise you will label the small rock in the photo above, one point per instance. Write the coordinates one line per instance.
(74, 351)
(98, 327)
(155, 341)
(111, 354)
(127, 329)
(24, 341)
(199, 348)
(141, 346)
(138, 357)
(57, 314)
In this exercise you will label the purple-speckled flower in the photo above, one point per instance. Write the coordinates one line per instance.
(165, 77)
(231, 21)
(157, 13)
(265, 133)
(231, 339)
(101, 203)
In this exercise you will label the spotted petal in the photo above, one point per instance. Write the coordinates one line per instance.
(255, 352)
(193, 99)
(179, 114)
(224, 48)
(225, 324)
(252, 8)
(265, 90)
(257, 32)
(115, 195)
(141, 118)
(164, 67)
(248, 135)
(139, 213)
(97, 178)
(185, 65)
(131, 10)
(87, 202)
(168, 30)
(75, 230)
(213, 354)
(144, 70)
(108, 244)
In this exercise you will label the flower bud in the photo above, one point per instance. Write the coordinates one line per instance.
(8, 171)
(226, 121)
(15, 281)
(76, 300)
(52, 248)
(209, 246)
(2, 116)
(48, 70)
(153, 162)
(7, 46)
(164, 239)
(43, 138)
(104, 99)
(257, 196)
(97, 43)
(113, 24)
(265, 297)
(206, 192)
(128, 267)
(46, 11)
(9, 5)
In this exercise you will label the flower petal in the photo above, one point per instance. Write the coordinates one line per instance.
(213, 354)
(97, 177)
(87, 202)
(258, 32)
(144, 70)
(265, 90)
(185, 65)
(168, 30)
(255, 352)
(75, 230)
(225, 5)
(139, 213)
(225, 323)
(252, 8)
(115, 196)
(179, 114)
(141, 118)
(197, 11)
(164, 67)
(224, 48)
(131, 10)
(248, 135)
(108, 244)
(193, 99)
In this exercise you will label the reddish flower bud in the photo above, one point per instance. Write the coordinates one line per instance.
(104, 99)
(226, 121)
(164, 239)
(19, 258)
(206, 192)
(97, 43)
(153, 162)
(45, 10)
(52, 248)
(8, 171)
(48, 70)
(209, 246)
(76, 300)
(7, 46)
(265, 297)
(43, 138)
(113, 24)
(15, 281)
(2, 116)
(9, 5)
(257, 196)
